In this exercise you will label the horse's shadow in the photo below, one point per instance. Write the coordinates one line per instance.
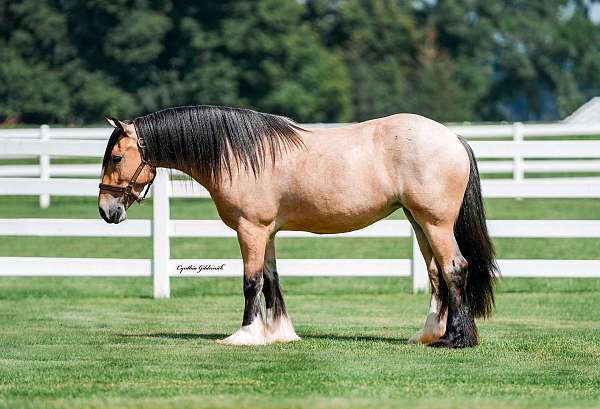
(356, 338)
(175, 335)
(215, 336)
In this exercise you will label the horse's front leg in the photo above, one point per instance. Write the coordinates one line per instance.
(253, 241)
(279, 325)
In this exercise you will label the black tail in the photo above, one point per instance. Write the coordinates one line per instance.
(474, 243)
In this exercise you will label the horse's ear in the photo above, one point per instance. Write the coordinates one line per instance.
(114, 122)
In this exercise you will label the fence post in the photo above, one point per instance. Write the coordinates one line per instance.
(160, 235)
(420, 278)
(44, 166)
(518, 165)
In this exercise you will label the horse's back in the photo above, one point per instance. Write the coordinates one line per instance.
(351, 176)
(346, 178)
(404, 133)
(406, 148)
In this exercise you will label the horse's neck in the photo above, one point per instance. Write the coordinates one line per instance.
(225, 182)
(204, 181)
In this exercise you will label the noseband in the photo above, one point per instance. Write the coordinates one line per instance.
(127, 191)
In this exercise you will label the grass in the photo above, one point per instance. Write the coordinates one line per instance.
(95, 342)
(103, 343)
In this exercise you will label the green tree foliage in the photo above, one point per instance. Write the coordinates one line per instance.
(282, 66)
(379, 40)
(35, 92)
(313, 60)
(534, 55)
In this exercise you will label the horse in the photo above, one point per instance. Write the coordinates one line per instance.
(265, 173)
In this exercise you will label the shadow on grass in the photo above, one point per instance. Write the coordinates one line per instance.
(356, 338)
(175, 335)
(327, 337)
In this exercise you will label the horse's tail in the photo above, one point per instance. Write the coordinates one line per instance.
(474, 243)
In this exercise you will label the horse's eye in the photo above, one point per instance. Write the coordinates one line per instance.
(117, 159)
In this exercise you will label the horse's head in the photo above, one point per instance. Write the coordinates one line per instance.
(125, 172)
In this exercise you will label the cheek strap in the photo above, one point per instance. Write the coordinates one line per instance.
(128, 190)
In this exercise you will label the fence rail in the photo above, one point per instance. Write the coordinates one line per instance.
(45, 266)
(488, 166)
(87, 142)
(218, 229)
(588, 187)
(516, 155)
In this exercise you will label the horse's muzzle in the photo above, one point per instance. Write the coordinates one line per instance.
(114, 214)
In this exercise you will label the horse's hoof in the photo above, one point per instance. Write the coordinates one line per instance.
(424, 337)
(281, 330)
(461, 331)
(281, 340)
(442, 343)
(416, 339)
(253, 334)
(282, 335)
(454, 340)
(447, 343)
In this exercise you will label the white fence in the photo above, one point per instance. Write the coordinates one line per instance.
(511, 162)
(563, 155)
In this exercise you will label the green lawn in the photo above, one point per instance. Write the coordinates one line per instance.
(104, 343)
(97, 342)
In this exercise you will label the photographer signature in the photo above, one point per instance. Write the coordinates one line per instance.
(198, 268)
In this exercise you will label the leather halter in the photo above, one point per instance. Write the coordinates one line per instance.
(127, 191)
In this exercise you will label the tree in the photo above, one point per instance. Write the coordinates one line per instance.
(378, 40)
(30, 93)
(282, 67)
(537, 55)
(314, 60)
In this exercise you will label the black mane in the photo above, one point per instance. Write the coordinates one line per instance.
(202, 138)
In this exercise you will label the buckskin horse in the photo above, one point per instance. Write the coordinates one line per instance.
(265, 173)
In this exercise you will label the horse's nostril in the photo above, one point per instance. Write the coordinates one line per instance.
(103, 214)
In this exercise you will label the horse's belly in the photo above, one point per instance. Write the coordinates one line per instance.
(313, 218)
(338, 184)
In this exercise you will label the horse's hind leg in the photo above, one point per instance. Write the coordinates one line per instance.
(279, 325)
(435, 323)
(460, 326)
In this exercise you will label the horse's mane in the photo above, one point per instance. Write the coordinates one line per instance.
(202, 138)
